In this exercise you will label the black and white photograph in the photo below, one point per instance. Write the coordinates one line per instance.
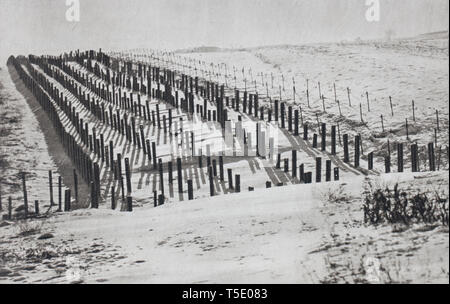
(215, 142)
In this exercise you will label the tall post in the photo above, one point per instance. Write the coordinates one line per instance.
(25, 196)
(333, 140)
(237, 183)
(59, 193)
(230, 178)
(328, 170)
(161, 176)
(294, 163)
(211, 181)
(190, 190)
(221, 173)
(357, 150)
(50, 185)
(128, 175)
(324, 137)
(75, 182)
(318, 169)
(400, 157)
(179, 176)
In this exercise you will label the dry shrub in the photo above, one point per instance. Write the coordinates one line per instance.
(396, 206)
(334, 194)
(28, 227)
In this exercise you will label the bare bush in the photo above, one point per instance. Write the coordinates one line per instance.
(385, 205)
(334, 194)
(28, 227)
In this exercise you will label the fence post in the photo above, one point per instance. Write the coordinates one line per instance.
(336, 173)
(230, 178)
(370, 160)
(169, 169)
(113, 198)
(75, 181)
(161, 176)
(357, 150)
(294, 163)
(333, 140)
(25, 197)
(179, 176)
(387, 164)
(214, 166)
(314, 140)
(318, 169)
(238, 183)
(93, 196)
(328, 170)
(221, 173)
(190, 190)
(305, 131)
(211, 182)
(59, 193)
(50, 183)
(290, 118)
(346, 155)
(302, 173)
(324, 137)
(160, 199)
(400, 157)
(128, 174)
(129, 204)
(286, 165)
(414, 158)
(154, 155)
(111, 154)
(431, 158)
(296, 123)
(67, 200)
(9, 208)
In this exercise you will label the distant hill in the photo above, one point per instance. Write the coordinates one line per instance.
(434, 35)
(201, 49)
(429, 36)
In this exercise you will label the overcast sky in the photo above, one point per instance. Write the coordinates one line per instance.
(40, 26)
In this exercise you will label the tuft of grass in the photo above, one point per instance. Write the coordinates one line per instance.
(334, 194)
(28, 227)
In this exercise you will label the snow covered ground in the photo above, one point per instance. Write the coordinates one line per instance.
(406, 70)
(23, 146)
(290, 234)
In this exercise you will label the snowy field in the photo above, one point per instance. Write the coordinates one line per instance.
(251, 237)
(406, 70)
(292, 234)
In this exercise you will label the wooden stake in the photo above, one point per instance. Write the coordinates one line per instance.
(59, 193)
(25, 197)
(368, 103)
(50, 183)
(437, 120)
(392, 109)
(9, 208)
(348, 94)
